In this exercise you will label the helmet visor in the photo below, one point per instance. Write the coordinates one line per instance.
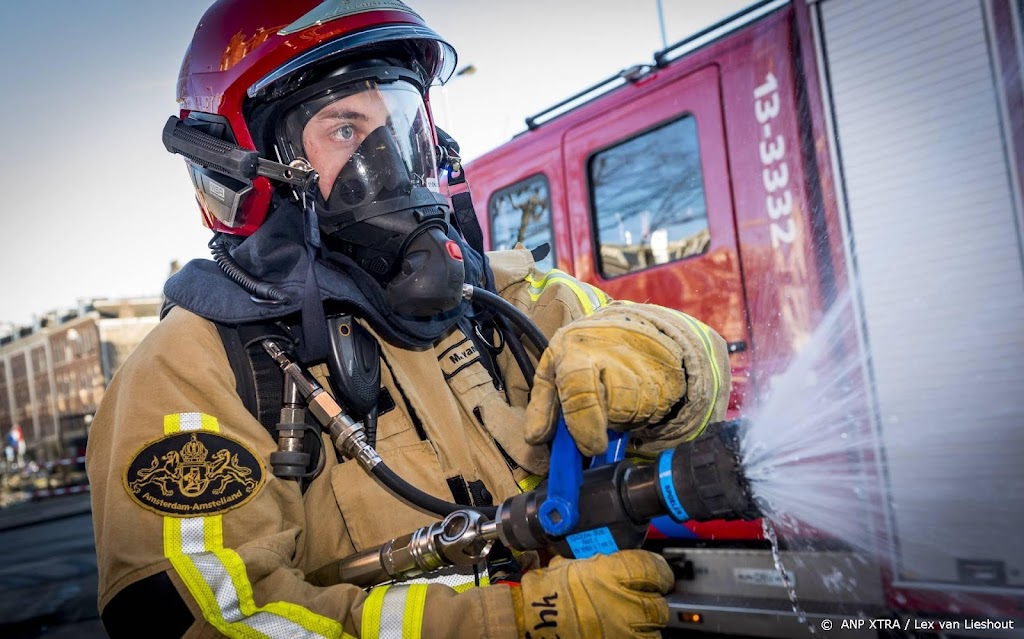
(368, 141)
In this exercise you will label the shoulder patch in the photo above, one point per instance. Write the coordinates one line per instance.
(192, 474)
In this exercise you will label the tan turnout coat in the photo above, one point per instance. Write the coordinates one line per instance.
(239, 562)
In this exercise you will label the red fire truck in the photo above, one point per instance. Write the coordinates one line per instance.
(750, 175)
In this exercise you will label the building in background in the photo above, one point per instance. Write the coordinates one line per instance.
(53, 374)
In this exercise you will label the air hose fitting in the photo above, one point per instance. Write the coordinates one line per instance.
(346, 433)
(350, 438)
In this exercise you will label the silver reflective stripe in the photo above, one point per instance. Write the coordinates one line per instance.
(219, 581)
(190, 421)
(192, 541)
(392, 612)
(334, 9)
(454, 581)
(590, 298)
(194, 546)
(459, 579)
(216, 576)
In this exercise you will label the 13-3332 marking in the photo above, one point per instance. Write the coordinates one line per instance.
(775, 170)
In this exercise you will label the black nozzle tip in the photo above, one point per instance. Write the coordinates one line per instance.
(707, 474)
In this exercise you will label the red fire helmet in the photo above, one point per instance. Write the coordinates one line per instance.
(244, 51)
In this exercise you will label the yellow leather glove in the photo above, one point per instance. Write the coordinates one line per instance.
(613, 369)
(618, 595)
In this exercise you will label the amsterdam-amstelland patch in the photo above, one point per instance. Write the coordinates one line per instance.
(192, 474)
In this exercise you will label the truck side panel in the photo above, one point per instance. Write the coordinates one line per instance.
(926, 146)
(516, 164)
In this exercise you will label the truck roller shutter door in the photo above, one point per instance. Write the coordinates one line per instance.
(924, 151)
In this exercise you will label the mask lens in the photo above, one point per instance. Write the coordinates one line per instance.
(350, 128)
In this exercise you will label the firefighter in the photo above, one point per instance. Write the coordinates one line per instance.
(206, 523)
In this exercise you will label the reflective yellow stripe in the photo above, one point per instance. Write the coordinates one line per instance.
(601, 295)
(485, 580)
(393, 611)
(415, 604)
(590, 297)
(372, 608)
(216, 576)
(528, 484)
(704, 332)
(209, 423)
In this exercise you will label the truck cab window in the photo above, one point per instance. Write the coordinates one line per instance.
(522, 213)
(648, 200)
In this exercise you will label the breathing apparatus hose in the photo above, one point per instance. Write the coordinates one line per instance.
(517, 349)
(506, 309)
(355, 445)
(421, 499)
(261, 292)
(350, 438)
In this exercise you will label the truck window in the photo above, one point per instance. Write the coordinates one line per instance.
(648, 200)
(522, 213)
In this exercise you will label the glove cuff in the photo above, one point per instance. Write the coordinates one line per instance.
(708, 379)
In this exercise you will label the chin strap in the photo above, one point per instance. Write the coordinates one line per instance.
(464, 216)
(464, 213)
(313, 348)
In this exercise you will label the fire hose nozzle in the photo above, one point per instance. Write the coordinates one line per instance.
(704, 479)
(700, 480)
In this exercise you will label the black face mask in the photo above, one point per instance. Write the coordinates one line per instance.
(394, 228)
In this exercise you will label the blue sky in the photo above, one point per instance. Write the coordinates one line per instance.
(94, 205)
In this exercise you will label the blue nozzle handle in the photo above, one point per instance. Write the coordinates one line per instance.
(560, 512)
(616, 451)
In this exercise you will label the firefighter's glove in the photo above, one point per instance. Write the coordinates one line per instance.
(617, 595)
(612, 369)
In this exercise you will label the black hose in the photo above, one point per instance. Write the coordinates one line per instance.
(517, 349)
(506, 312)
(370, 426)
(419, 498)
(516, 316)
(260, 291)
